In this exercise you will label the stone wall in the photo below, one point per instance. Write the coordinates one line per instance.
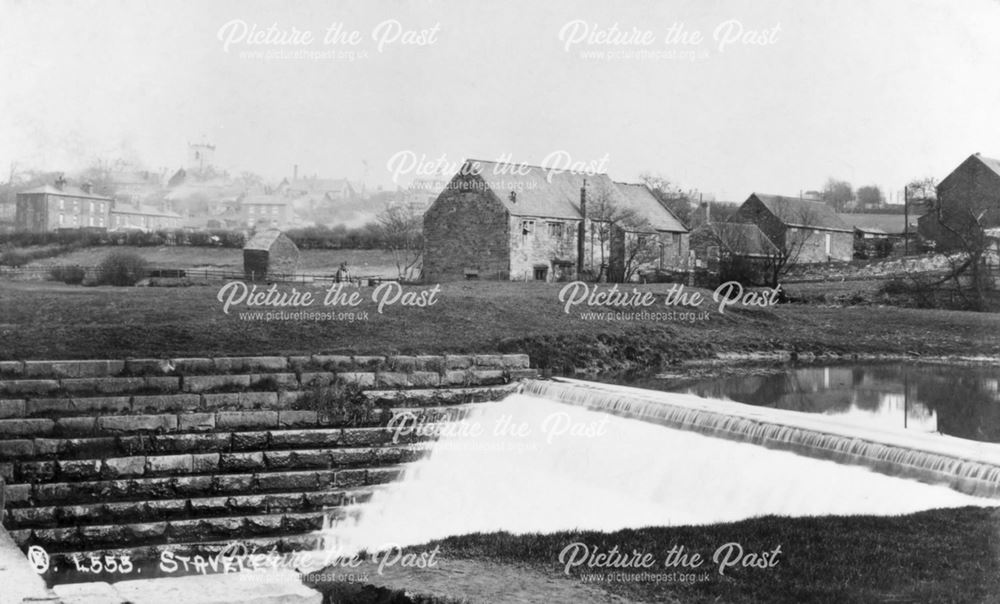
(466, 234)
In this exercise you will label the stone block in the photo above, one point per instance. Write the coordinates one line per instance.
(124, 467)
(101, 404)
(287, 481)
(29, 387)
(16, 448)
(234, 364)
(200, 422)
(246, 419)
(283, 439)
(36, 471)
(192, 365)
(136, 423)
(108, 385)
(14, 428)
(233, 483)
(190, 443)
(163, 383)
(351, 478)
(346, 458)
(289, 398)
(299, 363)
(515, 361)
(148, 366)
(456, 377)
(457, 361)
(222, 400)
(313, 379)
(360, 379)
(248, 441)
(166, 403)
(17, 493)
(73, 369)
(202, 383)
(168, 464)
(79, 469)
(11, 368)
(391, 379)
(487, 377)
(12, 408)
(425, 379)
(45, 407)
(258, 400)
(380, 475)
(241, 462)
(202, 463)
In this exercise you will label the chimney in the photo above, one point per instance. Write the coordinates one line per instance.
(295, 172)
(581, 234)
(87, 187)
(60, 182)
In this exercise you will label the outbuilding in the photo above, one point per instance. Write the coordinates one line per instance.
(269, 254)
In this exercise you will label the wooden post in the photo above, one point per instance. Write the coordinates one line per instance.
(906, 220)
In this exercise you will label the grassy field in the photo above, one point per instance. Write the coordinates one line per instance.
(360, 262)
(939, 556)
(52, 320)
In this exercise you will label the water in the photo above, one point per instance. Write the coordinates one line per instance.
(958, 401)
(535, 465)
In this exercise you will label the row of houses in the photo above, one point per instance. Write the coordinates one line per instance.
(63, 206)
(501, 221)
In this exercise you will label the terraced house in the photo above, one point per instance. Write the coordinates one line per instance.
(516, 222)
(61, 206)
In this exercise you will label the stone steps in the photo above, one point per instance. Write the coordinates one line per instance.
(53, 516)
(185, 454)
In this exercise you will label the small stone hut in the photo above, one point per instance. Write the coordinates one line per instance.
(269, 253)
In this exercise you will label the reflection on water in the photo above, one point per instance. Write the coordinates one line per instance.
(959, 401)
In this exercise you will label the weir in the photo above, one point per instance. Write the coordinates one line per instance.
(966, 466)
(566, 455)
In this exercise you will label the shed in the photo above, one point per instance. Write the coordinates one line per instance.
(269, 253)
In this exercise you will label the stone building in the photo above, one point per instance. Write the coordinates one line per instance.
(269, 253)
(968, 201)
(516, 222)
(809, 231)
(148, 218)
(61, 206)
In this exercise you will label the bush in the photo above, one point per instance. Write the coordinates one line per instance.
(71, 275)
(121, 268)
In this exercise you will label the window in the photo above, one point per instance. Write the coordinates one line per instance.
(62, 204)
(274, 209)
(527, 227)
(541, 273)
(555, 229)
(250, 209)
(91, 207)
(62, 219)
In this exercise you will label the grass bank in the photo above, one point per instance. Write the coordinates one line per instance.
(946, 556)
(44, 320)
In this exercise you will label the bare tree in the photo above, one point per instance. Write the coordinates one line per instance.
(400, 231)
(621, 234)
(838, 193)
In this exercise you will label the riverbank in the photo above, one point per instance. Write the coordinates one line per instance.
(44, 320)
(934, 556)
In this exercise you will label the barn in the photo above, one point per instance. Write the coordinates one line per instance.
(268, 254)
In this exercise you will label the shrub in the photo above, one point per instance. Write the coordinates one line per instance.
(122, 268)
(71, 275)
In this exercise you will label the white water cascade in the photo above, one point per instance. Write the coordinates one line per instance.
(530, 464)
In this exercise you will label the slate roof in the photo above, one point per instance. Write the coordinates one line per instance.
(743, 239)
(804, 213)
(263, 240)
(540, 192)
(66, 191)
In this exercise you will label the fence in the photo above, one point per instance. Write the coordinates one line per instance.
(201, 274)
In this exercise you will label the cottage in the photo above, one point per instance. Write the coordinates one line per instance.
(49, 208)
(807, 231)
(269, 253)
(968, 202)
(512, 221)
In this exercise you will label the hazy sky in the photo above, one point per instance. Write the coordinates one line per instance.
(872, 92)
